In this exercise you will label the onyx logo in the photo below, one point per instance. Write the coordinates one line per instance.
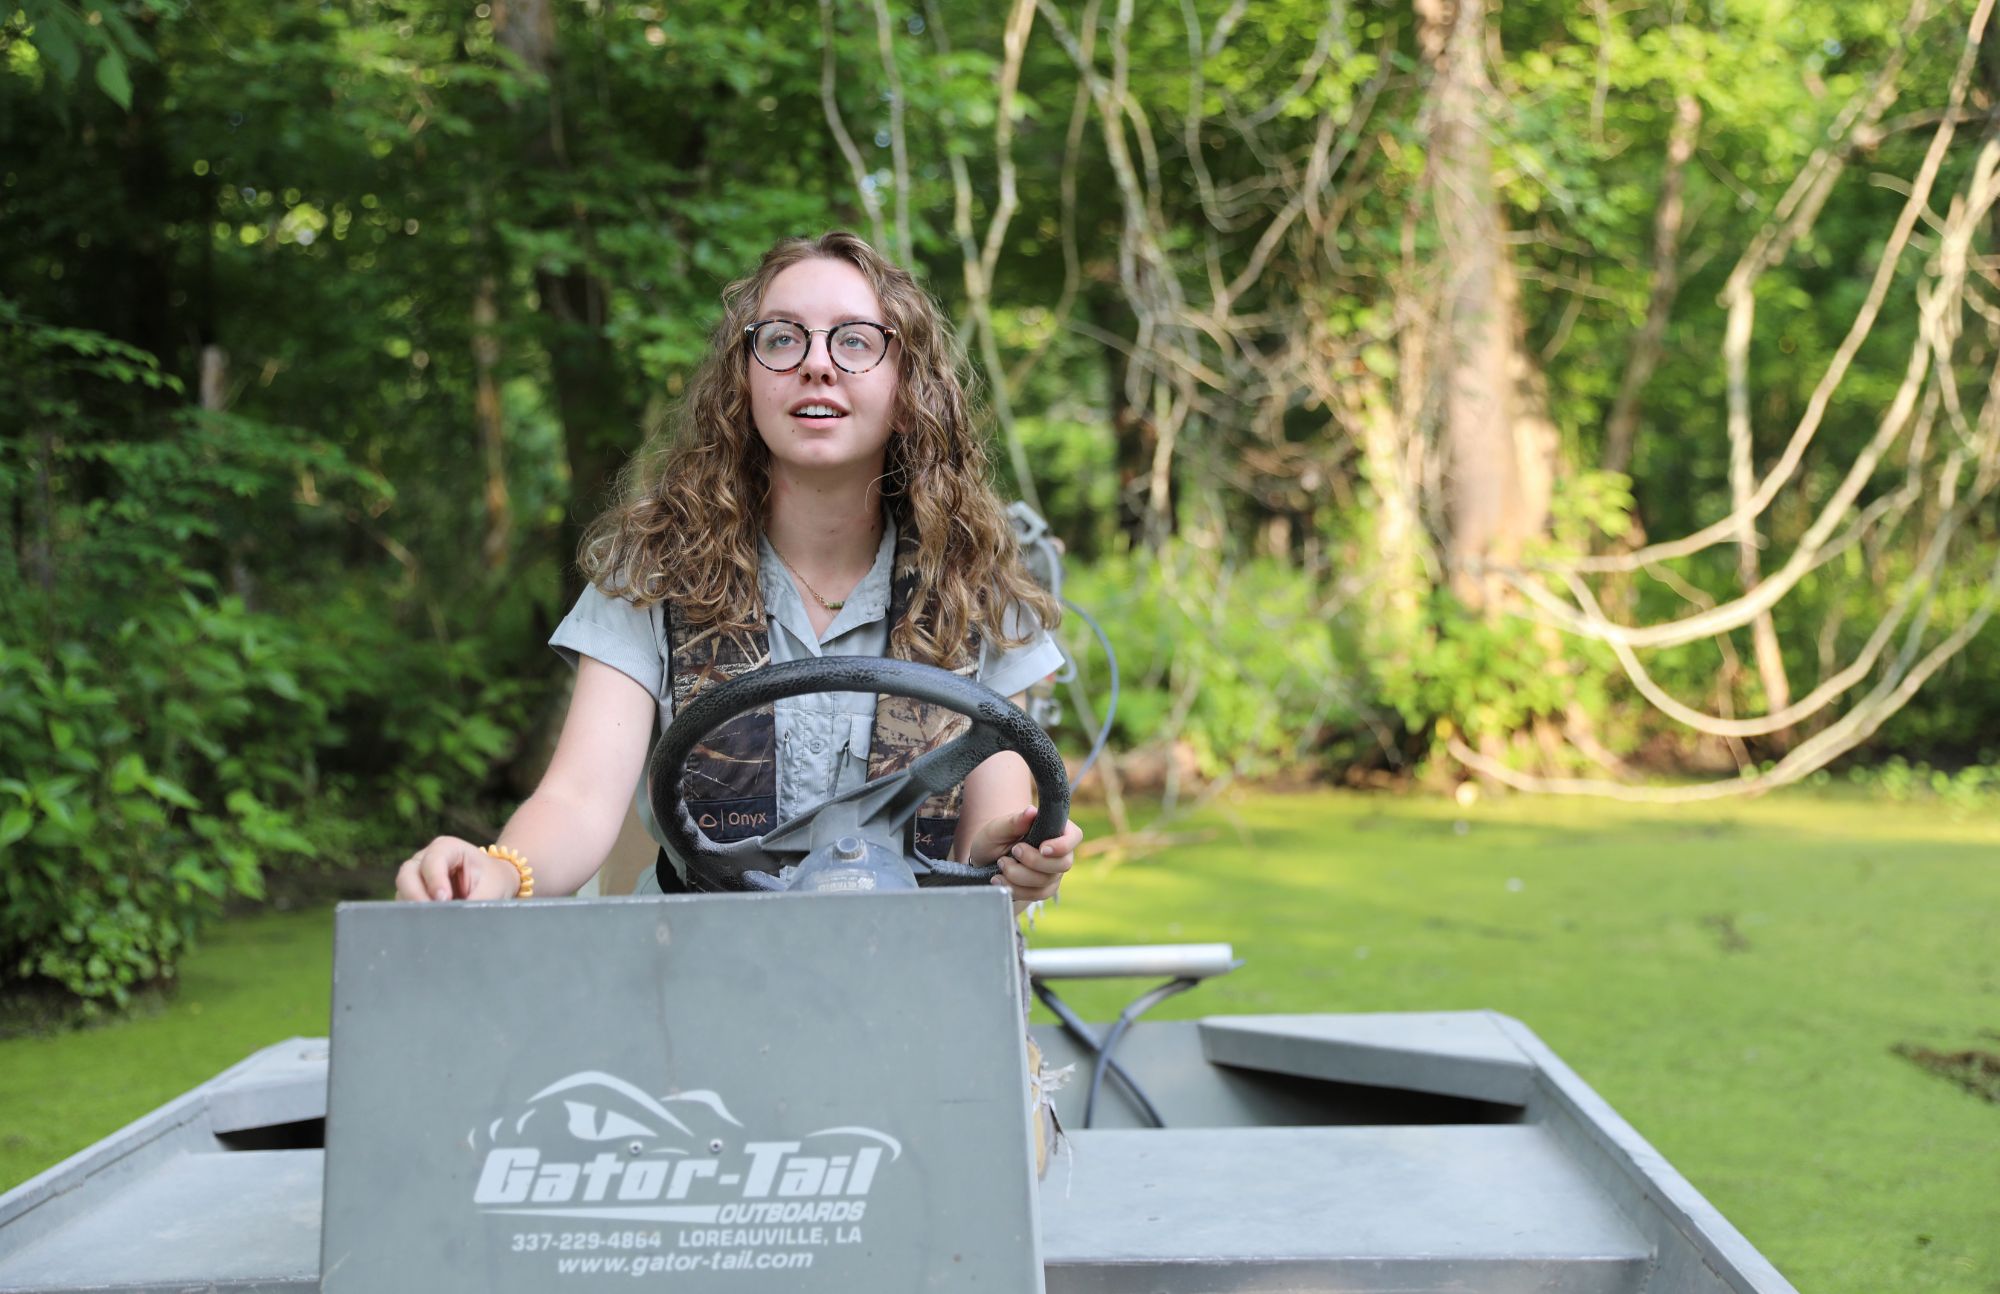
(592, 1145)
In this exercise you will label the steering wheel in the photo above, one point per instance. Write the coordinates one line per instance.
(882, 813)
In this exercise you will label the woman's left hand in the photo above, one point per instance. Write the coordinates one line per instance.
(1032, 872)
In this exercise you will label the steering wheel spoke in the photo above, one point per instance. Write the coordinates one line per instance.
(936, 771)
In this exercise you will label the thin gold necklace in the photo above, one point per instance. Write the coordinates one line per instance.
(830, 606)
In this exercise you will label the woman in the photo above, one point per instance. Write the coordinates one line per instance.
(823, 493)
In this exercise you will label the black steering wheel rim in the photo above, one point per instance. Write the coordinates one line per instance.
(997, 725)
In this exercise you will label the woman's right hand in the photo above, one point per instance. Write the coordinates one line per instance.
(450, 868)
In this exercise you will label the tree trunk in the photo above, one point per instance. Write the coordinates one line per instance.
(39, 552)
(1497, 443)
(492, 429)
(212, 390)
(1392, 463)
(599, 421)
(140, 265)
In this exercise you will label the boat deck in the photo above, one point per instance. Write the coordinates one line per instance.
(1357, 1153)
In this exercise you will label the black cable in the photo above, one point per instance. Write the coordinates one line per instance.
(1077, 1029)
(1111, 709)
(1145, 1003)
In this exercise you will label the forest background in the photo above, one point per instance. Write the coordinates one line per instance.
(1592, 398)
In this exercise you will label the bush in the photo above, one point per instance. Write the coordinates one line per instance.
(1262, 673)
(1490, 677)
(183, 702)
(1973, 788)
(1240, 660)
(113, 862)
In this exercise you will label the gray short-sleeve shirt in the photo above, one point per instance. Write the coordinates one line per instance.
(823, 739)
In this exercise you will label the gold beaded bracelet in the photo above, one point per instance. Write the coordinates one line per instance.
(506, 854)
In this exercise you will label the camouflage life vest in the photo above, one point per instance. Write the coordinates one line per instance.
(731, 784)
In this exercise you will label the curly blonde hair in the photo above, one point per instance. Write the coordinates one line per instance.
(694, 502)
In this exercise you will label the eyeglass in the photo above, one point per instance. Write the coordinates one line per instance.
(781, 345)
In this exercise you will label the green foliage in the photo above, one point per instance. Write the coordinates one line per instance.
(170, 734)
(1488, 677)
(132, 797)
(452, 730)
(113, 862)
(1243, 661)
(1973, 788)
(1588, 507)
(64, 33)
(1074, 476)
